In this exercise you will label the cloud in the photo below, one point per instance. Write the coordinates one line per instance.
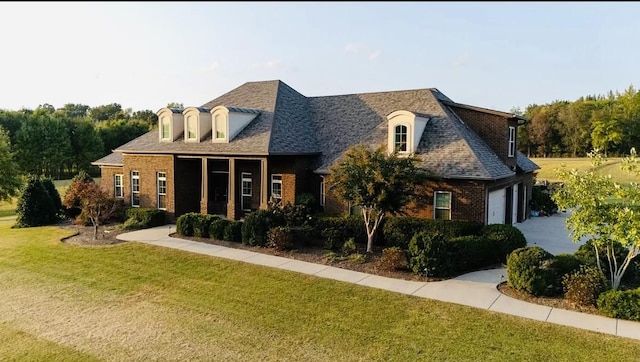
(352, 48)
(374, 55)
(210, 68)
(462, 60)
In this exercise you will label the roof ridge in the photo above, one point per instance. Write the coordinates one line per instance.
(380, 92)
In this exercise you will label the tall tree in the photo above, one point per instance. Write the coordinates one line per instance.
(117, 133)
(71, 110)
(106, 112)
(377, 182)
(175, 105)
(9, 174)
(86, 144)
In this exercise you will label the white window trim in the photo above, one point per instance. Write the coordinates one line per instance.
(407, 145)
(246, 177)
(162, 122)
(322, 193)
(161, 176)
(195, 124)
(273, 182)
(117, 187)
(512, 141)
(435, 203)
(135, 175)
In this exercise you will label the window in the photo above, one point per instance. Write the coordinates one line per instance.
(247, 185)
(512, 141)
(276, 187)
(321, 190)
(191, 128)
(400, 143)
(118, 186)
(162, 190)
(165, 128)
(219, 127)
(442, 205)
(135, 188)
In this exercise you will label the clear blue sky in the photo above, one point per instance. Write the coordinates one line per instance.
(144, 55)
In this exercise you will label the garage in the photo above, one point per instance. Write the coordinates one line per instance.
(496, 207)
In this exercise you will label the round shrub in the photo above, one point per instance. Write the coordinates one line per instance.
(35, 206)
(506, 239)
(185, 223)
(142, 218)
(428, 255)
(620, 304)
(528, 270)
(233, 231)
(201, 225)
(255, 227)
(217, 228)
(560, 266)
(280, 238)
(584, 286)
(393, 258)
(471, 252)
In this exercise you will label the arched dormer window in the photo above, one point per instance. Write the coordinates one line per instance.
(405, 131)
(165, 128)
(197, 123)
(228, 122)
(400, 138)
(170, 124)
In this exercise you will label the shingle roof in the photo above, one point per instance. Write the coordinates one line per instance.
(289, 123)
(525, 163)
(112, 159)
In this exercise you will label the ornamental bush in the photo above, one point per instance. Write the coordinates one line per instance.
(35, 205)
(620, 304)
(528, 270)
(506, 239)
(584, 286)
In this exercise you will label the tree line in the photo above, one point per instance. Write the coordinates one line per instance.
(610, 123)
(59, 143)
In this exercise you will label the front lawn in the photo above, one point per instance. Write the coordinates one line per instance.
(132, 301)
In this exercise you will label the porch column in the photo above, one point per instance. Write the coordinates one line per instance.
(204, 191)
(231, 203)
(264, 184)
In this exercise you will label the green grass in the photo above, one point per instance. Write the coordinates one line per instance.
(133, 301)
(611, 166)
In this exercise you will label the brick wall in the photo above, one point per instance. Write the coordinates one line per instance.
(295, 176)
(467, 200)
(149, 166)
(107, 181)
(493, 129)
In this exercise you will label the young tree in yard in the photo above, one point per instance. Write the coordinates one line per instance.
(595, 215)
(96, 203)
(377, 182)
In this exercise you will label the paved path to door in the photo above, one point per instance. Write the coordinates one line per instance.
(477, 289)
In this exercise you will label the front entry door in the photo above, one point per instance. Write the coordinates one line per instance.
(218, 192)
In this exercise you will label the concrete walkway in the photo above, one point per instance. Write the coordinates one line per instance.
(477, 289)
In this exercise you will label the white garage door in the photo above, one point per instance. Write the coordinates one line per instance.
(496, 207)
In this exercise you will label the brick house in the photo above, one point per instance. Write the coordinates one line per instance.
(265, 140)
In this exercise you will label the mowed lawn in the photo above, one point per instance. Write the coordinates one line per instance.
(610, 166)
(133, 301)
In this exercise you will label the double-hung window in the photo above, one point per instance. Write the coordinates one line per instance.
(135, 188)
(512, 141)
(442, 205)
(276, 187)
(118, 186)
(400, 141)
(162, 190)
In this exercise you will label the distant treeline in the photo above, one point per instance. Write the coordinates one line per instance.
(58, 143)
(609, 122)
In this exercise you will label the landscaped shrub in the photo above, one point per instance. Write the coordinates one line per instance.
(428, 255)
(55, 196)
(584, 286)
(528, 270)
(587, 254)
(620, 304)
(307, 200)
(185, 223)
(255, 227)
(143, 218)
(217, 228)
(349, 247)
(71, 200)
(304, 235)
(280, 238)
(560, 266)
(351, 226)
(201, 224)
(357, 259)
(35, 206)
(393, 258)
(541, 200)
(506, 238)
(333, 239)
(296, 215)
(398, 231)
(233, 231)
(471, 252)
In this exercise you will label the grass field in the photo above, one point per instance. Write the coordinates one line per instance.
(133, 301)
(611, 166)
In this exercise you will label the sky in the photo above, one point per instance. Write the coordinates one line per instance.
(144, 55)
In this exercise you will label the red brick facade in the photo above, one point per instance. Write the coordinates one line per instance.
(148, 167)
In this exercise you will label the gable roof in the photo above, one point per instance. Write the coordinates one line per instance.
(289, 123)
(112, 159)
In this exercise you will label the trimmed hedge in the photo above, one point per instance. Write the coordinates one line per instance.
(184, 224)
(506, 239)
(561, 265)
(398, 231)
(201, 224)
(528, 270)
(470, 252)
(620, 304)
(428, 255)
(256, 225)
(217, 228)
(233, 231)
(280, 238)
(143, 218)
(337, 230)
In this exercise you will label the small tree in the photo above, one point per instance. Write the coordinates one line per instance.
(377, 182)
(35, 206)
(604, 211)
(71, 197)
(96, 203)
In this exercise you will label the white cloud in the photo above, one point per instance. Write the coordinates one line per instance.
(462, 60)
(352, 48)
(374, 55)
(210, 68)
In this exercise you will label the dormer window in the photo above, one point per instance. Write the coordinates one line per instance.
(192, 128)
(400, 138)
(228, 122)
(405, 131)
(512, 141)
(165, 128)
(170, 124)
(197, 123)
(220, 126)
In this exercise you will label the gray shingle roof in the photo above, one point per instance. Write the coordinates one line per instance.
(525, 163)
(112, 159)
(290, 123)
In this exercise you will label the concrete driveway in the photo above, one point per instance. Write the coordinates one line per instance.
(549, 233)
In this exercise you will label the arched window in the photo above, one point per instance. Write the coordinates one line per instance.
(165, 127)
(400, 142)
